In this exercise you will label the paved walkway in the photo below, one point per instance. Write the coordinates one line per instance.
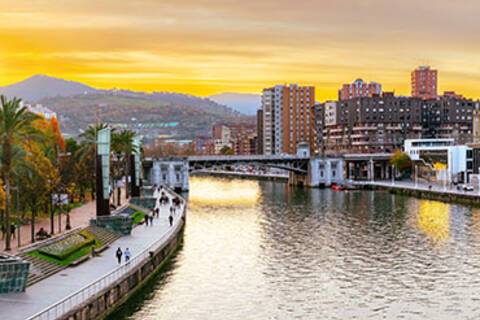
(420, 186)
(55, 288)
(79, 217)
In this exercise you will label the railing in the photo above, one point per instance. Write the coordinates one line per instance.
(66, 305)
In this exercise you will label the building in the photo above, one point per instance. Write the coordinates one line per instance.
(382, 123)
(40, 110)
(424, 83)
(451, 162)
(222, 137)
(287, 118)
(244, 139)
(358, 89)
(259, 141)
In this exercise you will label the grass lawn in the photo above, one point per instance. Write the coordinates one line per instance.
(137, 217)
(71, 258)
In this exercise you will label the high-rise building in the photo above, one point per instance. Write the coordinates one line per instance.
(222, 137)
(359, 88)
(287, 118)
(424, 83)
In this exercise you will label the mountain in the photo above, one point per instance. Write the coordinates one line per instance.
(42, 86)
(244, 103)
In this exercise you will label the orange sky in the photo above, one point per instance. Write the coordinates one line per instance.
(210, 46)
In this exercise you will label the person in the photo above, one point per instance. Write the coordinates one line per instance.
(145, 217)
(170, 219)
(157, 211)
(150, 217)
(42, 234)
(127, 255)
(12, 230)
(119, 254)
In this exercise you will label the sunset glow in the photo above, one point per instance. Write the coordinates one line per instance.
(207, 46)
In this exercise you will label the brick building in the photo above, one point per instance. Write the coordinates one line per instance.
(359, 88)
(424, 83)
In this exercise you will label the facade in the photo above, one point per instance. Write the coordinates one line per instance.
(382, 123)
(287, 118)
(359, 88)
(424, 83)
(221, 137)
(453, 163)
(244, 139)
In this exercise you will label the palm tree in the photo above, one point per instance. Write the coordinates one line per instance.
(15, 129)
(122, 148)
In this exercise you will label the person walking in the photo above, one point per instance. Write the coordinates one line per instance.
(119, 254)
(150, 217)
(145, 217)
(12, 230)
(157, 211)
(127, 255)
(170, 219)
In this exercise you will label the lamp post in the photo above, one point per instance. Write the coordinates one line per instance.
(416, 177)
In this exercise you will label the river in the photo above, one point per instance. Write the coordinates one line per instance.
(264, 250)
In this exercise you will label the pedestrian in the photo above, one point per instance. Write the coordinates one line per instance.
(119, 254)
(157, 211)
(150, 216)
(12, 230)
(145, 217)
(127, 255)
(170, 219)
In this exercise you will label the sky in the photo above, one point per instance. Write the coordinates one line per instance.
(205, 47)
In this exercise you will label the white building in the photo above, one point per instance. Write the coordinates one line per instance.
(40, 110)
(330, 113)
(452, 162)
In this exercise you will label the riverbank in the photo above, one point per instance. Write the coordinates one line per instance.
(96, 287)
(424, 191)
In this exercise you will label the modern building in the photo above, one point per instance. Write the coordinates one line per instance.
(451, 162)
(382, 123)
(359, 88)
(424, 83)
(287, 118)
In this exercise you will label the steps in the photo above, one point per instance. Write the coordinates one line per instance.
(106, 237)
(39, 268)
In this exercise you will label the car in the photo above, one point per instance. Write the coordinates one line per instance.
(467, 187)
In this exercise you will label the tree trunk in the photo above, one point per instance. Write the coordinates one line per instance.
(32, 223)
(7, 210)
(127, 176)
(119, 196)
(52, 216)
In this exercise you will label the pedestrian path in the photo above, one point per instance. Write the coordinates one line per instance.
(69, 281)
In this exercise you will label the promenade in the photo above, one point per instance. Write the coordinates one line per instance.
(420, 186)
(69, 281)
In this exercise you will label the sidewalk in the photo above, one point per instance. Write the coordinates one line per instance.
(55, 288)
(79, 217)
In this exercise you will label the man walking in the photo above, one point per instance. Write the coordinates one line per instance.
(119, 254)
(170, 219)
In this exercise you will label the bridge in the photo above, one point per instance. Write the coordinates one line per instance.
(303, 169)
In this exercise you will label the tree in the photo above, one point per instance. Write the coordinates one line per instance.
(122, 148)
(16, 130)
(401, 161)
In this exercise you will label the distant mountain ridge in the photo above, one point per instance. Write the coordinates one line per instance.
(246, 103)
(42, 86)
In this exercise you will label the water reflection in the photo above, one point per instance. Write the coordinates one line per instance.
(264, 250)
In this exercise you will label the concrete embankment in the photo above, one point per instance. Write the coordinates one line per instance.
(450, 196)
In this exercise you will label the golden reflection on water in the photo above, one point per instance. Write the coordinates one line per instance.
(214, 191)
(433, 220)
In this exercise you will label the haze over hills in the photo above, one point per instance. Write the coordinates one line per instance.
(176, 115)
(246, 103)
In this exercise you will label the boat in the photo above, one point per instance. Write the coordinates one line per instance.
(337, 187)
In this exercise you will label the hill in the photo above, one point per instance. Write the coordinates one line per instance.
(150, 116)
(41, 86)
(244, 103)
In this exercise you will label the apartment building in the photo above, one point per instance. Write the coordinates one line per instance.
(288, 117)
(424, 83)
(359, 88)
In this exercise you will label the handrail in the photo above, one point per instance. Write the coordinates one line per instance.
(59, 308)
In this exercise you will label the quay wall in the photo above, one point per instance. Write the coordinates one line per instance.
(100, 305)
(467, 199)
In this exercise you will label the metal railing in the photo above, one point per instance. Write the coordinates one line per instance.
(66, 305)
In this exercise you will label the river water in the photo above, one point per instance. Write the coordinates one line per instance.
(264, 250)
